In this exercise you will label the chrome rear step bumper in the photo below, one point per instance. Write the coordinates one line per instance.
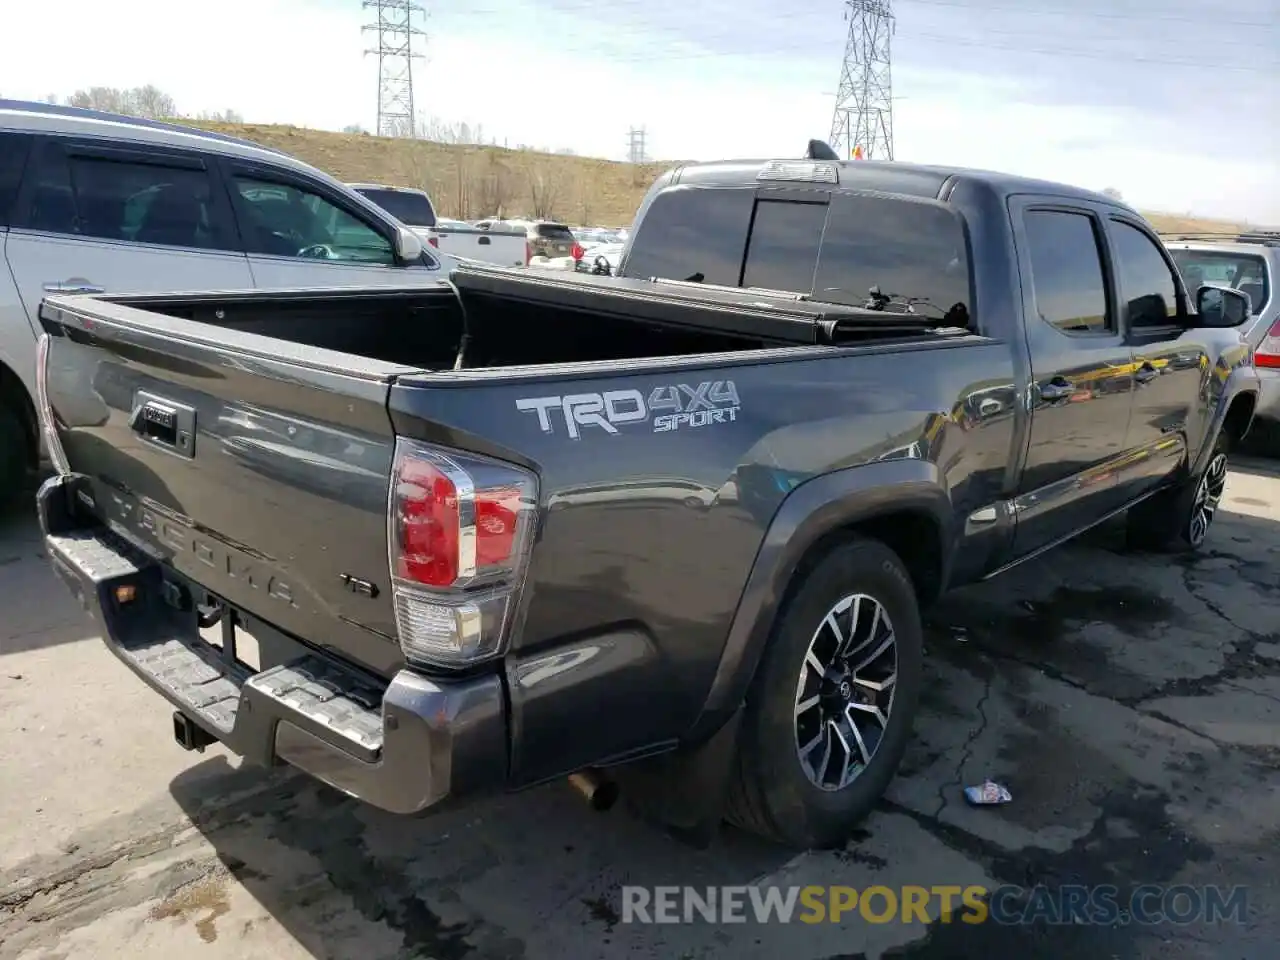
(405, 746)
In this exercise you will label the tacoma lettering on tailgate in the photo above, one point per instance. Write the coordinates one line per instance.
(710, 402)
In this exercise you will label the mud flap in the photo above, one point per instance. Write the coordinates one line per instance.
(684, 792)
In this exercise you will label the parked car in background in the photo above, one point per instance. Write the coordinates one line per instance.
(589, 236)
(1250, 263)
(547, 238)
(601, 259)
(454, 238)
(92, 201)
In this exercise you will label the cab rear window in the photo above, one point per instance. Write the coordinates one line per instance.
(885, 252)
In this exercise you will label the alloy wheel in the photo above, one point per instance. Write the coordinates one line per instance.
(1208, 496)
(844, 696)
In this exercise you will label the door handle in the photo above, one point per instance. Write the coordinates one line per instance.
(1056, 389)
(74, 285)
(484, 241)
(1146, 373)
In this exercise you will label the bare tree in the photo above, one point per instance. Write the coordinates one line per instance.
(108, 99)
(220, 116)
(151, 102)
(496, 187)
(148, 101)
(428, 176)
(544, 189)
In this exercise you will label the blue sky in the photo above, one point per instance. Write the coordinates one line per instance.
(1172, 104)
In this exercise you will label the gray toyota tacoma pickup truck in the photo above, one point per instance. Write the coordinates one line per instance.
(668, 533)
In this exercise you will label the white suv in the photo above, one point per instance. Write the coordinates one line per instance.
(1250, 263)
(93, 202)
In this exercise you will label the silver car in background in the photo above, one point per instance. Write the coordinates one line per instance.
(1250, 263)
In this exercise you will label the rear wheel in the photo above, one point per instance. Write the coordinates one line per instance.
(832, 705)
(1178, 519)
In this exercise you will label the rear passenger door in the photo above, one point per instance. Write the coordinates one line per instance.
(1082, 372)
(17, 336)
(94, 217)
(299, 233)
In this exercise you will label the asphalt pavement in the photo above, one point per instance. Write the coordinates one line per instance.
(1129, 702)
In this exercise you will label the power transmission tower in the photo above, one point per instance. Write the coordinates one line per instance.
(863, 117)
(635, 145)
(395, 31)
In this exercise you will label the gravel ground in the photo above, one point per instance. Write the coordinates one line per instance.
(1129, 702)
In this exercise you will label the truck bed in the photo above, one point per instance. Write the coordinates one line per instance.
(500, 317)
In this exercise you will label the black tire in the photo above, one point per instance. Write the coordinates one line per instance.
(14, 458)
(770, 793)
(1175, 520)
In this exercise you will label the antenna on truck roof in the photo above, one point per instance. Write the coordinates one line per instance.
(820, 150)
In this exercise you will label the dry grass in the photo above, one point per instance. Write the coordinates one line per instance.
(471, 182)
(467, 181)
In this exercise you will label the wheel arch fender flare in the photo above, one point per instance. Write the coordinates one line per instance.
(1241, 386)
(808, 515)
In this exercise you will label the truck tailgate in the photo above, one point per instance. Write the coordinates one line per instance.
(255, 468)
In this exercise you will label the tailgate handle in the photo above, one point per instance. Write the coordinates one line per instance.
(164, 423)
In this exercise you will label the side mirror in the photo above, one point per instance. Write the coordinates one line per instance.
(408, 245)
(1221, 307)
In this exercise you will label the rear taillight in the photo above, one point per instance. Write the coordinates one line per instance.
(528, 252)
(44, 411)
(1267, 353)
(577, 252)
(459, 532)
(434, 242)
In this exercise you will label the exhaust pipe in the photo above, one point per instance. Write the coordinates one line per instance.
(600, 792)
(189, 734)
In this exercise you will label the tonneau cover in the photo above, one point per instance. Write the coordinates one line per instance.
(768, 315)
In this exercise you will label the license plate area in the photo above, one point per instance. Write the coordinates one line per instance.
(223, 628)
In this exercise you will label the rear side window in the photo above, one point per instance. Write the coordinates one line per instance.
(135, 202)
(784, 243)
(692, 234)
(13, 157)
(1066, 271)
(913, 253)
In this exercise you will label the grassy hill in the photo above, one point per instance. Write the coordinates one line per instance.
(470, 182)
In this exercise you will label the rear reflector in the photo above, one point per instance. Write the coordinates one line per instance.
(458, 533)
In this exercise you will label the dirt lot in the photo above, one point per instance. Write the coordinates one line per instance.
(1130, 703)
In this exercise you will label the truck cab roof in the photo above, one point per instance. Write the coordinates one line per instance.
(906, 179)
